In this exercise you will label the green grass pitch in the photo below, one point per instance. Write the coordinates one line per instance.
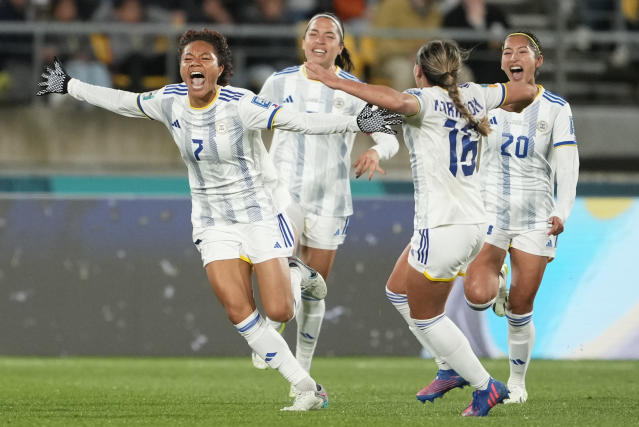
(363, 391)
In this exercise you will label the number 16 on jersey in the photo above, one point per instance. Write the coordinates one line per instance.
(468, 150)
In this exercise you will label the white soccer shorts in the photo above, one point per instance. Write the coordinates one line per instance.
(443, 253)
(320, 232)
(535, 242)
(254, 243)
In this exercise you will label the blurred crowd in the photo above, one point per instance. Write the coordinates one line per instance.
(139, 62)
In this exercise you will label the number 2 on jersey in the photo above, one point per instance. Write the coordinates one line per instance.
(469, 147)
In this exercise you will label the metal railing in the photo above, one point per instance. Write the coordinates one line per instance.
(559, 41)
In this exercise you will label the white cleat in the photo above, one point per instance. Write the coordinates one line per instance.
(517, 394)
(258, 362)
(313, 284)
(499, 307)
(309, 400)
(293, 391)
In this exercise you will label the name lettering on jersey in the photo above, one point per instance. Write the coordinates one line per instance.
(176, 124)
(542, 126)
(448, 108)
(261, 102)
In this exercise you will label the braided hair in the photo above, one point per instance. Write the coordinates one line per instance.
(440, 61)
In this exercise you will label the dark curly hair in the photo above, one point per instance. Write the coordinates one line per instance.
(220, 46)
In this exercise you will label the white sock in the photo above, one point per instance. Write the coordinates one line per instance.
(450, 344)
(296, 279)
(309, 323)
(400, 302)
(521, 339)
(271, 347)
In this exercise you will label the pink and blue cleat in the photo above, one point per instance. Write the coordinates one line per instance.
(484, 400)
(445, 381)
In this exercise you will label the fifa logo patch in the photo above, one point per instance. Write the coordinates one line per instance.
(542, 126)
(261, 102)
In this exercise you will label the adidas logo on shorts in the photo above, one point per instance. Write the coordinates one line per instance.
(277, 245)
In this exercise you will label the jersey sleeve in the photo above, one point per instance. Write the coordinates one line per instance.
(118, 101)
(268, 90)
(259, 113)
(494, 95)
(563, 130)
(423, 99)
(565, 162)
(386, 145)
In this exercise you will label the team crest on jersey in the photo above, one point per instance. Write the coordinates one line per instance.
(221, 127)
(338, 103)
(542, 126)
(261, 102)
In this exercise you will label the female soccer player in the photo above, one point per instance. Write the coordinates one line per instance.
(442, 127)
(532, 145)
(217, 129)
(315, 168)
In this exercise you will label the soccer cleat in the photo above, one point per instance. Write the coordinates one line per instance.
(258, 362)
(313, 284)
(484, 400)
(308, 400)
(445, 381)
(517, 394)
(499, 307)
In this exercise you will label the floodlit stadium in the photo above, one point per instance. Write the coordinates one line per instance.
(108, 314)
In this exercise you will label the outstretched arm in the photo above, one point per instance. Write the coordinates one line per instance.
(379, 95)
(56, 80)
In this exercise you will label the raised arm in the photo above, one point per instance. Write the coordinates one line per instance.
(379, 95)
(517, 92)
(56, 80)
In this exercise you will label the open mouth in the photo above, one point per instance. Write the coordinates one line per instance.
(197, 79)
(319, 51)
(517, 72)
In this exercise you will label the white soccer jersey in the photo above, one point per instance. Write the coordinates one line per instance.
(316, 168)
(443, 153)
(220, 144)
(519, 160)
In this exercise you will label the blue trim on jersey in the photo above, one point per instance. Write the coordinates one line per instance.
(555, 96)
(503, 93)
(174, 92)
(229, 99)
(250, 324)
(140, 106)
(269, 124)
(549, 98)
(348, 76)
(557, 144)
(288, 70)
(224, 91)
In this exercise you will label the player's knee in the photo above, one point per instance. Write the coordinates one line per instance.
(281, 313)
(478, 293)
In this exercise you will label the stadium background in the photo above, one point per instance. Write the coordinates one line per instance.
(95, 250)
